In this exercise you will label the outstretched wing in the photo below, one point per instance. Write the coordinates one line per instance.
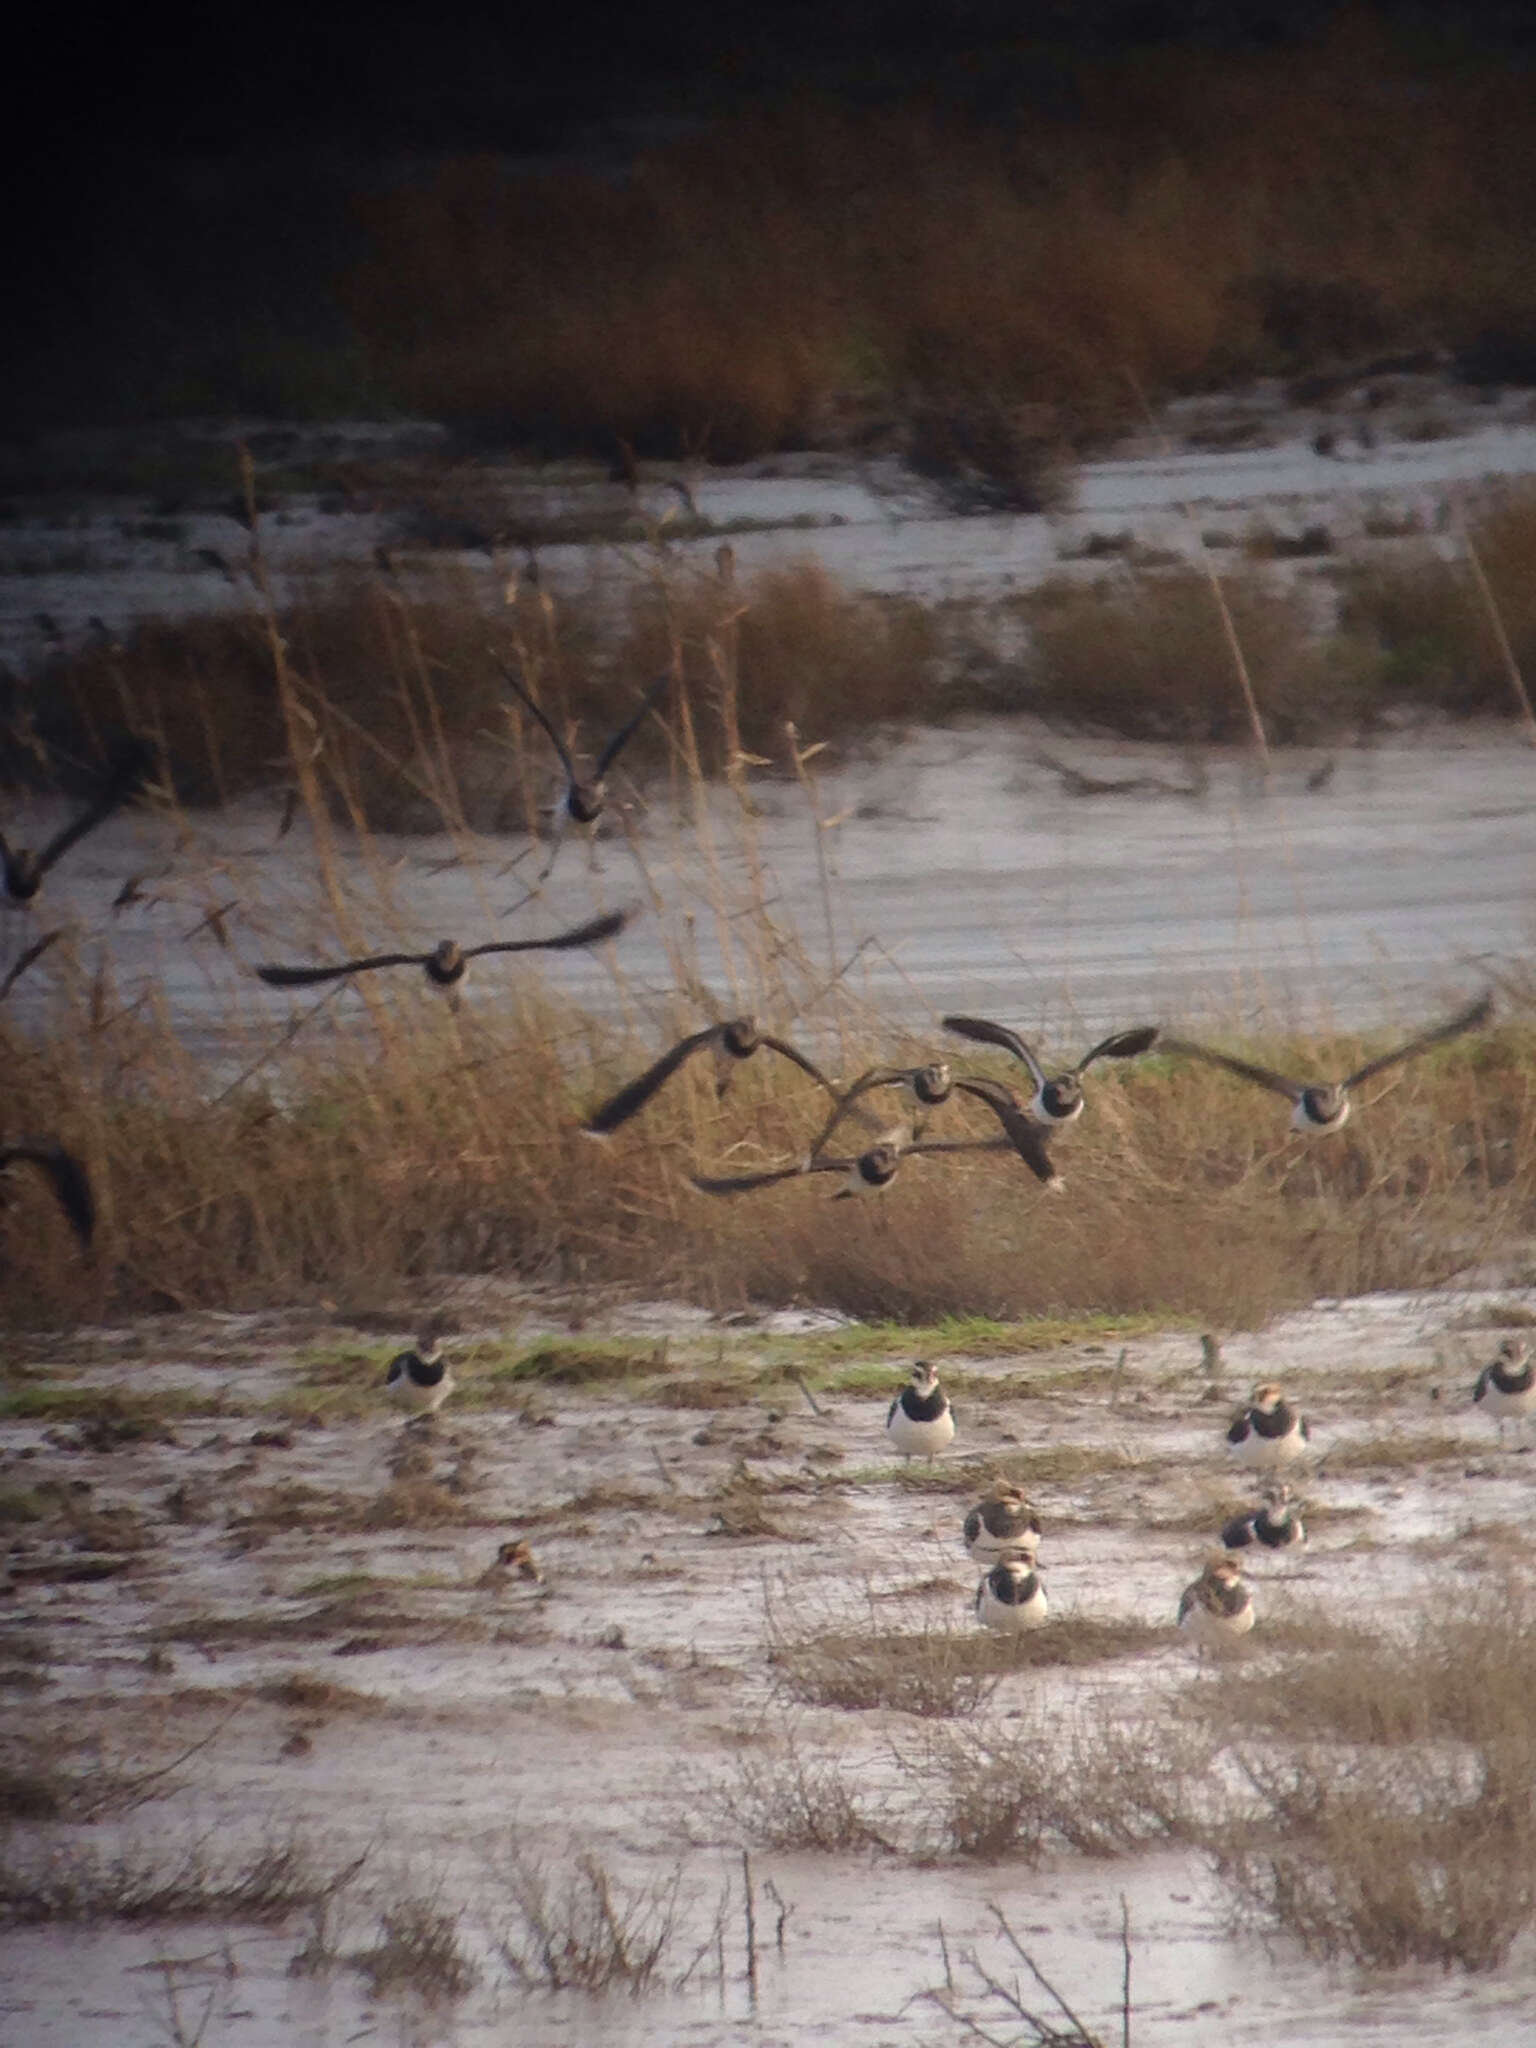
(35, 951)
(1024, 1134)
(742, 1183)
(983, 1029)
(1469, 1019)
(125, 775)
(539, 713)
(592, 933)
(790, 1052)
(70, 1182)
(877, 1077)
(634, 1095)
(1264, 1077)
(625, 733)
(306, 977)
(1120, 1045)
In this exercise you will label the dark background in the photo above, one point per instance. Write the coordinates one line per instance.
(197, 173)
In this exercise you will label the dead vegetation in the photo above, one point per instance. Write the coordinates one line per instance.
(47, 1880)
(586, 1929)
(418, 1950)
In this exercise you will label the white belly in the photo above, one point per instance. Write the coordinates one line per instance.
(1007, 1619)
(920, 1439)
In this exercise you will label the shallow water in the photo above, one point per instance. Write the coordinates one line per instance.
(597, 1710)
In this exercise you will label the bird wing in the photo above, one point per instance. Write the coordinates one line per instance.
(125, 775)
(71, 1184)
(1239, 1431)
(877, 1077)
(996, 1034)
(634, 1095)
(542, 716)
(306, 977)
(621, 738)
(1469, 1019)
(34, 952)
(592, 933)
(1025, 1135)
(742, 1183)
(790, 1052)
(1265, 1077)
(1120, 1045)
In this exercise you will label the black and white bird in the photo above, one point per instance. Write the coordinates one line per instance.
(1005, 1523)
(1269, 1432)
(445, 966)
(1274, 1525)
(65, 1175)
(738, 1038)
(585, 795)
(920, 1422)
(1058, 1098)
(23, 871)
(870, 1173)
(1506, 1389)
(419, 1380)
(1011, 1598)
(1217, 1607)
(1318, 1107)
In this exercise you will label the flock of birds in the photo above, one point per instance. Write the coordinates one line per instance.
(1002, 1533)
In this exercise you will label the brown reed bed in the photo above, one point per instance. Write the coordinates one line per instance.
(810, 272)
(420, 1146)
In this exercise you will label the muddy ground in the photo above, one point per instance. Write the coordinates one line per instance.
(226, 1557)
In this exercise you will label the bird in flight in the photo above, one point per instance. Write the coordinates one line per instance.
(1058, 1098)
(446, 964)
(1321, 1106)
(735, 1039)
(24, 870)
(586, 795)
(870, 1173)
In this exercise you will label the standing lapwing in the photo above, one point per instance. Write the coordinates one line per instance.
(1218, 1607)
(445, 966)
(1507, 1388)
(419, 1380)
(1274, 1525)
(734, 1040)
(1058, 1098)
(1269, 1432)
(66, 1176)
(1011, 1598)
(920, 1422)
(871, 1173)
(1321, 1106)
(1005, 1523)
(584, 796)
(23, 870)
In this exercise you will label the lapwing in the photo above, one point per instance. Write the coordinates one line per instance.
(1274, 1525)
(23, 870)
(920, 1422)
(1269, 1432)
(514, 1560)
(1011, 1598)
(1004, 1524)
(66, 1176)
(419, 1380)
(1218, 1607)
(585, 796)
(1506, 1389)
(1318, 1107)
(1058, 1098)
(445, 966)
(738, 1038)
(870, 1173)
